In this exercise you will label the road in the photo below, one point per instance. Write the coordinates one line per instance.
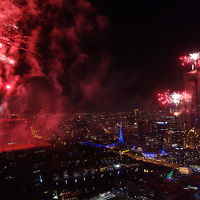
(154, 161)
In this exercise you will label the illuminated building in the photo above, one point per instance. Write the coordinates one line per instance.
(168, 131)
(192, 84)
(192, 138)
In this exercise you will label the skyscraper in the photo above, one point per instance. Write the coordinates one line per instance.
(192, 85)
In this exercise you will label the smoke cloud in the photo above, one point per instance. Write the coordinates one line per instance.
(53, 56)
(58, 57)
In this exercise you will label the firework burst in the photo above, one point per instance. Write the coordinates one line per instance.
(192, 58)
(174, 98)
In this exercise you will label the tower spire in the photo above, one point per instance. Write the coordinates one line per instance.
(120, 139)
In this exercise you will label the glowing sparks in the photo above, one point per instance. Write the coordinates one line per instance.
(10, 37)
(176, 97)
(6, 60)
(186, 97)
(177, 114)
(194, 56)
(8, 87)
(10, 42)
(185, 60)
(164, 98)
(167, 98)
(11, 61)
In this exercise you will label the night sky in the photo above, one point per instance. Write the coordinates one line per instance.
(147, 38)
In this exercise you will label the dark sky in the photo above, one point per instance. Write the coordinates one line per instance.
(147, 38)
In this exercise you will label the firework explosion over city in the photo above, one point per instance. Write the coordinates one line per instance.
(53, 60)
(192, 59)
(175, 98)
(44, 47)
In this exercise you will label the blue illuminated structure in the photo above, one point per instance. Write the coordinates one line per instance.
(120, 141)
(154, 154)
(197, 196)
(163, 153)
(149, 154)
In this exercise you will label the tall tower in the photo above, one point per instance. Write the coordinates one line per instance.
(120, 139)
(192, 85)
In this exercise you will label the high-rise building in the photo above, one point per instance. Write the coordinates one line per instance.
(192, 138)
(192, 85)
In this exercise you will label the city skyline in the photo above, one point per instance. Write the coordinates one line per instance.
(99, 100)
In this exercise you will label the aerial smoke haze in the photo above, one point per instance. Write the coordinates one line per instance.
(58, 59)
(53, 59)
